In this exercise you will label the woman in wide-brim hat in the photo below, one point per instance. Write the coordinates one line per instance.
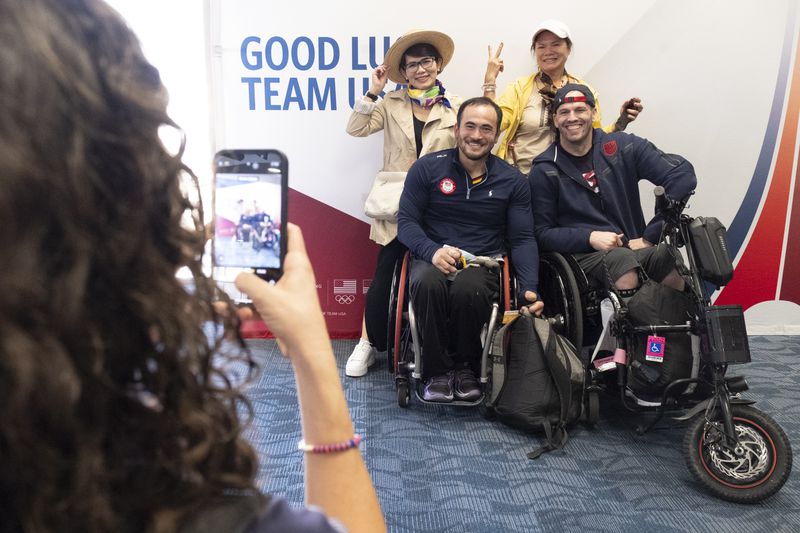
(416, 120)
(525, 102)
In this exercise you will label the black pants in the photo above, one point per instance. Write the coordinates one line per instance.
(451, 314)
(376, 308)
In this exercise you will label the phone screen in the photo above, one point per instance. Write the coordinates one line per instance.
(250, 211)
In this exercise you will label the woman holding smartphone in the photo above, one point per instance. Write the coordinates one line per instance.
(525, 102)
(415, 121)
(118, 411)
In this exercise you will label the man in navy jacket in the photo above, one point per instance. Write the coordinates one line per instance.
(464, 200)
(585, 193)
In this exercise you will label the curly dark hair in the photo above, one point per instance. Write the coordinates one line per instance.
(117, 410)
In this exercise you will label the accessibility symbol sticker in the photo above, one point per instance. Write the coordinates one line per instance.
(655, 349)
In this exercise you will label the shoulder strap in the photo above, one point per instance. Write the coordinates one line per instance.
(499, 359)
(554, 440)
(557, 365)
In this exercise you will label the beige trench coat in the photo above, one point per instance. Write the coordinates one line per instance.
(393, 115)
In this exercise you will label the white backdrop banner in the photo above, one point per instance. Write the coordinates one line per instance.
(720, 85)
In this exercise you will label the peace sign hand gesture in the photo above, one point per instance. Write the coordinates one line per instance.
(494, 65)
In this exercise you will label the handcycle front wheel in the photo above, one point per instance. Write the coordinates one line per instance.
(753, 470)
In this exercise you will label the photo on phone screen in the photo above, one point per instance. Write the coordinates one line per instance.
(250, 211)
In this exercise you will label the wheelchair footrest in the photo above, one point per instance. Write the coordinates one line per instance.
(639, 401)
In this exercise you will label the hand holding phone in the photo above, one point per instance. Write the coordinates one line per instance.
(628, 112)
(290, 308)
(250, 210)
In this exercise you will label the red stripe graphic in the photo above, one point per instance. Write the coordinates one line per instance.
(756, 277)
(790, 286)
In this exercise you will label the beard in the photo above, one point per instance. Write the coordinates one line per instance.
(469, 152)
(578, 136)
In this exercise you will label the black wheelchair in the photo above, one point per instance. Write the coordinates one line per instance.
(734, 450)
(265, 235)
(403, 339)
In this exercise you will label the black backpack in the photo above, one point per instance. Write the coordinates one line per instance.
(538, 381)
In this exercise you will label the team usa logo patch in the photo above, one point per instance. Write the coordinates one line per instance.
(447, 186)
(610, 148)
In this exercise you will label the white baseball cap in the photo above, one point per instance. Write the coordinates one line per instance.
(556, 27)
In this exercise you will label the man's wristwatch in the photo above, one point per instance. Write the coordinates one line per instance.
(373, 97)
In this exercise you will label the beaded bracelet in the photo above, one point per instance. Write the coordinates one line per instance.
(330, 448)
(488, 87)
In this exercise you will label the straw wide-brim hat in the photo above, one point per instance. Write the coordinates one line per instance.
(443, 43)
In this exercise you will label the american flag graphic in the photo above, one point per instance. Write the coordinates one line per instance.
(344, 286)
(366, 283)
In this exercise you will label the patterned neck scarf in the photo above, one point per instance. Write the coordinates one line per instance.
(548, 92)
(429, 97)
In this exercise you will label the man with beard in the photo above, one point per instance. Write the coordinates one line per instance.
(586, 197)
(458, 204)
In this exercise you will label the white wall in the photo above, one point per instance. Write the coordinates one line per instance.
(173, 36)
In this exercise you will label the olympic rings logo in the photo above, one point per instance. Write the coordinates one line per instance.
(345, 299)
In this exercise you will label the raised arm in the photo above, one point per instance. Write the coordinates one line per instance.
(338, 482)
(510, 100)
(494, 67)
(628, 112)
(368, 115)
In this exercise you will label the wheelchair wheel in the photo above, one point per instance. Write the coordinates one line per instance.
(397, 336)
(753, 470)
(272, 239)
(390, 323)
(561, 296)
(403, 392)
(592, 407)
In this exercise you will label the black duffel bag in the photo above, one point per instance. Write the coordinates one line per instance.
(654, 363)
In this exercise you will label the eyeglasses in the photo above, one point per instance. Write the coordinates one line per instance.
(426, 63)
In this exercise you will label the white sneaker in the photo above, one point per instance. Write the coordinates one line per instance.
(360, 360)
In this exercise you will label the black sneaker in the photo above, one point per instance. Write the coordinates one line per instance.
(439, 389)
(466, 386)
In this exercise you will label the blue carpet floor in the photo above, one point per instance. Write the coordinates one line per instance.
(447, 469)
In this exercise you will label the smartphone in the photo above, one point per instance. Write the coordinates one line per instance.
(250, 210)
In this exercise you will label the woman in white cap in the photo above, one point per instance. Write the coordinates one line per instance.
(416, 120)
(524, 102)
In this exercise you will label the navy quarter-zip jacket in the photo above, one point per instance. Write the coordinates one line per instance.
(493, 218)
(567, 210)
